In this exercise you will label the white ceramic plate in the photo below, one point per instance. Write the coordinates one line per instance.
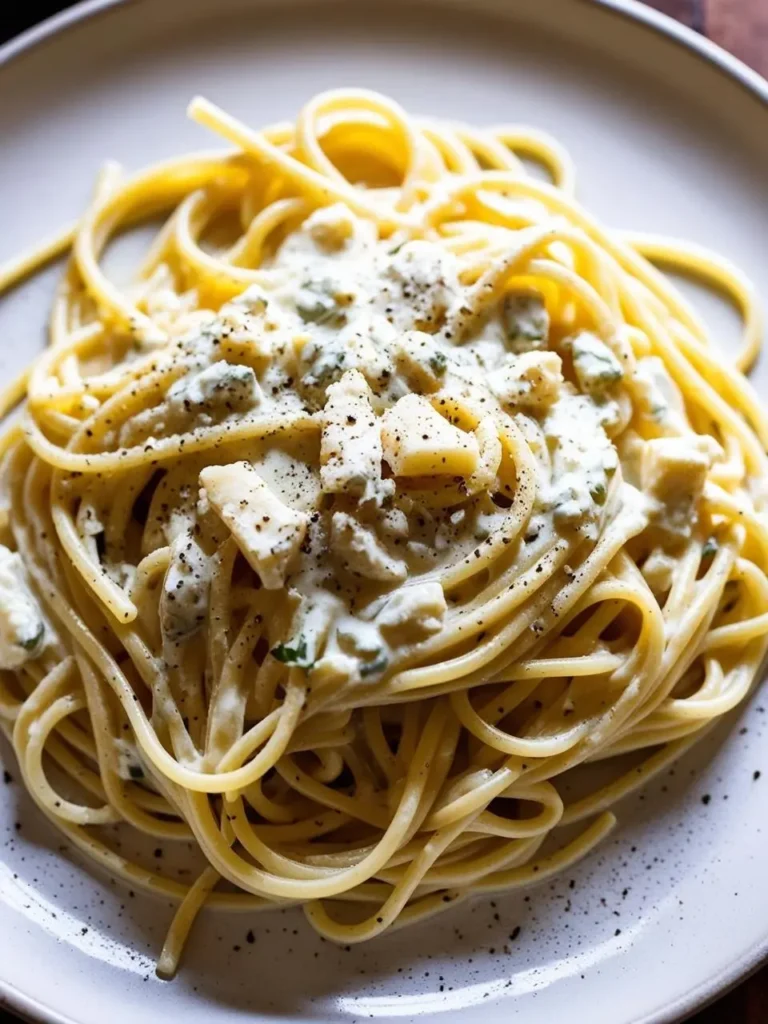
(670, 135)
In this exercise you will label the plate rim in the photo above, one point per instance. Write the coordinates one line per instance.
(32, 1009)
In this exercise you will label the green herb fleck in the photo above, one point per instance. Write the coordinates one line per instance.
(438, 363)
(595, 364)
(292, 655)
(327, 368)
(32, 642)
(710, 548)
(315, 304)
(525, 320)
(598, 493)
(316, 313)
(373, 668)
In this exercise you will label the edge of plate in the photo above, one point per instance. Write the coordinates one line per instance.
(688, 38)
(753, 82)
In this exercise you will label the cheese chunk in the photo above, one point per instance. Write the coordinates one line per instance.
(413, 613)
(672, 474)
(525, 321)
(336, 668)
(219, 388)
(582, 462)
(362, 553)
(199, 398)
(659, 571)
(489, 445)
(596, 367)
(417, 441)
(420, 361)
(529, 381)
(184, 599)
(22, 627)
(350, 445)
(421, 284)
(268, 533)
(658, 398)
(361, 345)
(331, 227)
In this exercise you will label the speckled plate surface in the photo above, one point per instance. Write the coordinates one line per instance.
(670, 135)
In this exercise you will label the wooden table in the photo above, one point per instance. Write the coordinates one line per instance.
(740, 26)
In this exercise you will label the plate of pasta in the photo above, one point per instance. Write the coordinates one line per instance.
(383, 514)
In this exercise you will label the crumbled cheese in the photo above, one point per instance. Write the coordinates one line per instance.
(361, 331)
(530, 381)
(360, 551)
(658, 397)
(22, 626)
(413, 613)
(184, 599)
(350, 445)
(358, 636)
(312, 623)
(331, 227)
(421, 361)
(334, 668)
(525, 321)
(331, 233)
(673, 472)
(489, 444)
(597, 369)
(421, 284)
(582, 462)
(268, 533)
(394, 522)
(221, 385)
(659, 571)
(322, 302)
(361, 346)
(199, 398)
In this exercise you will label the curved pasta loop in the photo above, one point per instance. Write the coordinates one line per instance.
(547, 547)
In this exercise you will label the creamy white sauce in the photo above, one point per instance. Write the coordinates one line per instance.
(23, 630)
(583, 461)
(366, 336)
(184, 601)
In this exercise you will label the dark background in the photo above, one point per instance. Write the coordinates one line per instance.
(741, 26)
(17, 17)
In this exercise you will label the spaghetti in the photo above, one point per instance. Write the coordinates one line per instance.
(392, 490)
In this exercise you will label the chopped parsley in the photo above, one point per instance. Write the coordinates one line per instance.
(598, 493)
(296, 655)
(31, 643)
(373, 668)
(316, 304)
(438, 362)
(710, 548)
(597, 368)
(659, 412)
(525, 321)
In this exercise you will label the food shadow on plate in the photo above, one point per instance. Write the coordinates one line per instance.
(522, 940)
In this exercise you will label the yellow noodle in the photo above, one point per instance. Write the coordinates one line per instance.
(370, 798)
